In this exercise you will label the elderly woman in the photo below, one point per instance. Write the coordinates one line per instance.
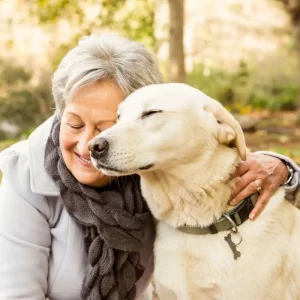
(68, 231)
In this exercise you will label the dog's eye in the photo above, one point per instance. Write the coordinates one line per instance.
(150, 113)
(118, 117)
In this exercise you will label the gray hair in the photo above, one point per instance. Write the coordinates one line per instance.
(103, 57)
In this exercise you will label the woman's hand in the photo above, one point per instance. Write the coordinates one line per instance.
(261, 173)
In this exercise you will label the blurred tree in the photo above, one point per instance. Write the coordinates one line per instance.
(134, 19)
(22, 103)
(293, 7)
(131, 18)
(50, 11)
(176, 44)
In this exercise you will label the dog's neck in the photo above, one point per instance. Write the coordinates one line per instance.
(193, 194)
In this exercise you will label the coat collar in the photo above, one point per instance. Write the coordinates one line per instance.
(40, 180)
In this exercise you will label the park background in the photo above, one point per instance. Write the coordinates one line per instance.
(244, 53)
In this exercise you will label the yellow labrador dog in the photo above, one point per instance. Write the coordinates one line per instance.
(184, 145)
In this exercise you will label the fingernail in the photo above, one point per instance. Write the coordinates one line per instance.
(233, 202)
(252, 216)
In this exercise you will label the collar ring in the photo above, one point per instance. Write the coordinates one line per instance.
(234, 228)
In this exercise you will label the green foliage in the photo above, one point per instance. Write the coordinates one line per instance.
(280, 97)
(25, 104)
(50, 11)
(135, 21)
(22, 103)
(109, 10)
(220, 84)
(246, 89)
(58, 53)
(13, 75)
(291, 152)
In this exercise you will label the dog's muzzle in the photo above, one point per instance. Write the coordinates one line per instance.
(98, 147)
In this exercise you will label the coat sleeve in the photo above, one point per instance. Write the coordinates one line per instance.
(25, 242)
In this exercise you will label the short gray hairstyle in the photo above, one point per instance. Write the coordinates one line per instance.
(103, 57)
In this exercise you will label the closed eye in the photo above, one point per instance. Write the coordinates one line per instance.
(150, 113)
(75, 126)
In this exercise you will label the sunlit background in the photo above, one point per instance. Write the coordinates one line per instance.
(244, 53)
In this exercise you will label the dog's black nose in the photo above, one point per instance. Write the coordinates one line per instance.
(98, 146)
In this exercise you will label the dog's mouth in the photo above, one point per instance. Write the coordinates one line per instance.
(104, 167)
(115, 171)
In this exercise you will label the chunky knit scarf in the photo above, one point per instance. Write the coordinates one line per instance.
(112, 218)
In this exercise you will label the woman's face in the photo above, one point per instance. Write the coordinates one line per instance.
(92, 109)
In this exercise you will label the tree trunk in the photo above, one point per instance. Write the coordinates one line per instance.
(293, 6)
(176, 47)
(297, 27)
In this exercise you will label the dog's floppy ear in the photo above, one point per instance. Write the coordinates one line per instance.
(229, 131)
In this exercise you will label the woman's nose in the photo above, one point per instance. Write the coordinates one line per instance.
(83, 142)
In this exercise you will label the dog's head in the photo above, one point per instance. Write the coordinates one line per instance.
(162, 125)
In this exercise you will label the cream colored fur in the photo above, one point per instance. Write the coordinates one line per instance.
(193, 145)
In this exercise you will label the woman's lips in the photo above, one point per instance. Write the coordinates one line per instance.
(86, 162)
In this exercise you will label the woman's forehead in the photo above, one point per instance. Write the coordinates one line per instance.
(97, 102)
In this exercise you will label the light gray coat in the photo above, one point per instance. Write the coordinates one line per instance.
(42, 251)
(41, 247)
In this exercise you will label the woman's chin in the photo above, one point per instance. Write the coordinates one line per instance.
(94, 180)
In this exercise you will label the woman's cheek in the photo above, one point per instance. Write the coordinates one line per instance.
(67, 139)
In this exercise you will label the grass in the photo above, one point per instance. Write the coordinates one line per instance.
(292, 153)
(276, 132)
(282, 145)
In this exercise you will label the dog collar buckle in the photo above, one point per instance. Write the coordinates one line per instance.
(229, 220)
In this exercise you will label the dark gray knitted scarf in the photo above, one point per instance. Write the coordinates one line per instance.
(112, 218)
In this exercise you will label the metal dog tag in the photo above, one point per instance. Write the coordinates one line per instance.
(232, 245)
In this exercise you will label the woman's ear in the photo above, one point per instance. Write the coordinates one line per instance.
(229, 131)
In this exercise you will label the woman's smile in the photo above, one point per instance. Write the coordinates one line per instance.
(84, 161)
(92, 109)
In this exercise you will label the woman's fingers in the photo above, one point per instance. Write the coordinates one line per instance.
(262, 201)
(245, 189)
(242, 168)
(261, 173)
